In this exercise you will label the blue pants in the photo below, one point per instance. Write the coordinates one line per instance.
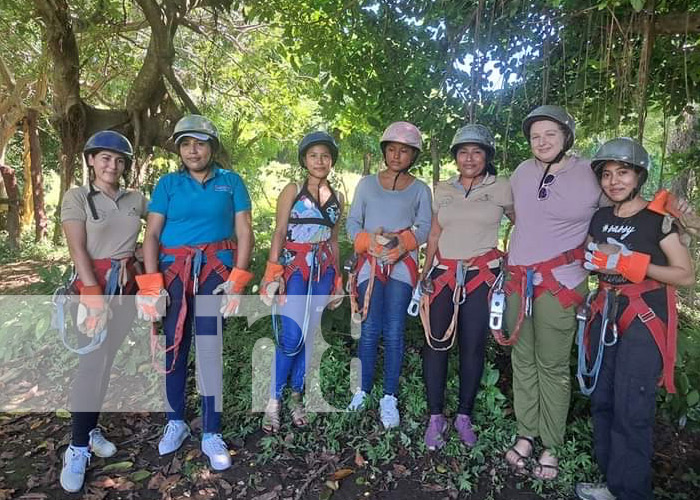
(623, 407)
(291, 317)
(210, 370)
(386, 317)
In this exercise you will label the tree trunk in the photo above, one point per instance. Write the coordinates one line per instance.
(366, 163)
(13, 222)
(41, 223)
(27, 212)
(435, 158)
(644, 63)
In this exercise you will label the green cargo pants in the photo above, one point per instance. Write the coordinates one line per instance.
(540, 359)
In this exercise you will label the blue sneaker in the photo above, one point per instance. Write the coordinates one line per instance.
(175, 433)
(358, 401)
(388, 412)
(100, 445)
(75, 461)
(214, 447)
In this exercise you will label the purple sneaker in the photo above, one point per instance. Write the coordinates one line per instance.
(463, 424)
(434, 434)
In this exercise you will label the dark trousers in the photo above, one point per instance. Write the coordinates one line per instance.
(94, 369)
(623, 407)
(209, 364)
(472, 333)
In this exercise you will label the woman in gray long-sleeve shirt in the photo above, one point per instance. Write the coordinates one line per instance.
(389, 218)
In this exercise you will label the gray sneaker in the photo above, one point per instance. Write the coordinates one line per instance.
(593, 491)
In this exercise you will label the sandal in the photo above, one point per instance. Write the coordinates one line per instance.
(271, 418)
(519, 463)
(296, 408)
(547, 468)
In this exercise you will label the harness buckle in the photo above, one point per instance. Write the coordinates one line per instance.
(497, 308)
(647, 316)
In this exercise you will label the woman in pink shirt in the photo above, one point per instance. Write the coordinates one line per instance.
(555, 194)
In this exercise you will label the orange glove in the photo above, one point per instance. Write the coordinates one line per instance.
(406, 243)
(631, 265)
(231, 290)
(152, 299)
(272, 283)
(664, 203)
(338, 291)
(363, 241)
(93, 313)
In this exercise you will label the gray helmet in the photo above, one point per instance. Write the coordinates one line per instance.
(624, 150)
(314, 138)
(199, 127)
(479, 135)
(556, 114)
(474, 134)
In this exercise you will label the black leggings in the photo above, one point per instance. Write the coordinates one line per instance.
(94, 369)
(472, 332)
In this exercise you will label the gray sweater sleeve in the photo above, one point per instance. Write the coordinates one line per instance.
(356, 217)
(423, 214)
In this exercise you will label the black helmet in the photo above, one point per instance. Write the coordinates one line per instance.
(479, 135)
(556, 114)
(624, 150)
(199, 127)
(318, 137)
(111, 141)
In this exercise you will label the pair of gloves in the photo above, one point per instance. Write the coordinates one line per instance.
(152, 299)
(389, 248)
(614, 257)
(273, 284)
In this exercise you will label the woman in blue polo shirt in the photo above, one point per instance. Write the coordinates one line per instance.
(188, 251)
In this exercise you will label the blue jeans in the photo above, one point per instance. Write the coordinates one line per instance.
(209, 369)
(386, 317)
(291, 317)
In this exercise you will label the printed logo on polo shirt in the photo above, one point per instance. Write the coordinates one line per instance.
(623, 231)
(446, 201)
(222, 187)
(483, 197)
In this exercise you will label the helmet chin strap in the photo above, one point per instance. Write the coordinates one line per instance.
(556, 159)
(403, 171)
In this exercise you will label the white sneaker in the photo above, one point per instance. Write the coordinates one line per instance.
(388, 411)
(214, 447)
(75, 461)
(593, 491)
(174, 434)
(358, 401)
(101, 446)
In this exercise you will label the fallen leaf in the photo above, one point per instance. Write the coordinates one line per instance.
(104, 482)
(6, 494)
(192, 454)
(325, 494)
(332, 485)
(125, 485)
(169, 482)
(400, 470)
(156, 481)
(441, 469)
(62, 413)
(225, 485)
(140, 475)
(341, 474)
(118, 466)
(34, 496)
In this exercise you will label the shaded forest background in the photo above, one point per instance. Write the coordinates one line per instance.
(267, 72)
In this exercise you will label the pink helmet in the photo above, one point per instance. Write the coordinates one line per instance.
(403, 132)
